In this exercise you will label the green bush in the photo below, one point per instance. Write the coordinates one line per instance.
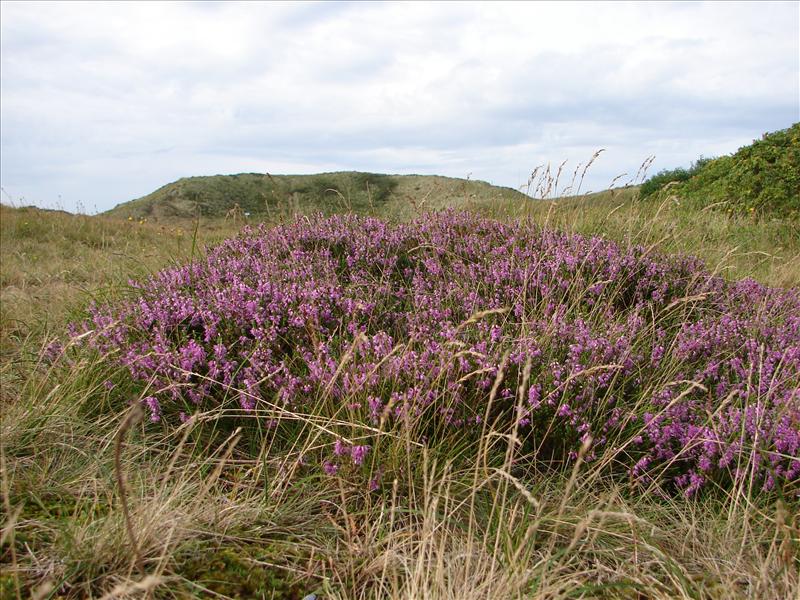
(761, 179)
(658, 181)
(380, 186)
(331, 192)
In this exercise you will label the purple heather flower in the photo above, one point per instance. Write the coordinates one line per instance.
(154, 407)
(358, 453)
(283, 306)
(374, 483)
(340, 448)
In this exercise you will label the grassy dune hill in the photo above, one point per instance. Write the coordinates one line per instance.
(268, 197)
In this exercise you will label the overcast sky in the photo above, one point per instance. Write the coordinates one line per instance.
(103, 103)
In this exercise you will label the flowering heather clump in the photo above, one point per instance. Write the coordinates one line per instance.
(680, 371)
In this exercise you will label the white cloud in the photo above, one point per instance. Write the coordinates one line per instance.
(105, 102)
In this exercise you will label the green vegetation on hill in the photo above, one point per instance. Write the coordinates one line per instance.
(762, 179)
(268, 197)
(664, 177)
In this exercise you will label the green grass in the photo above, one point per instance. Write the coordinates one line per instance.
(218, 512)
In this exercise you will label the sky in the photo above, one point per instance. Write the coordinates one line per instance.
(103, 103)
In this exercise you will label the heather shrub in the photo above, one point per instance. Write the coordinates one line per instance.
(464, 323)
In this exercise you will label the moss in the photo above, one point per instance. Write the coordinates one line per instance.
(8, 585)
(232, 572)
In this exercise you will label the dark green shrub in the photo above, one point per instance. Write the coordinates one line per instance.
(657, 182)
(380, 186)
(761, 179)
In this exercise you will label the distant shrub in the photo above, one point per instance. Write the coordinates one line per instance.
(658, 181)
(317, 186)
(359, 191)
(379, 187)
(458, 321)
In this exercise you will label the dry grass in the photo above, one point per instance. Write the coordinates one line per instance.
(54, 263)
(474, 526)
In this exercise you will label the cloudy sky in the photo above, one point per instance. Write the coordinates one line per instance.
(102, 103)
